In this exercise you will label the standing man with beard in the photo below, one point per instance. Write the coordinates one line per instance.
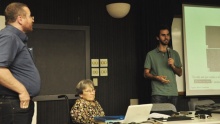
(161, 65)
(19, 77)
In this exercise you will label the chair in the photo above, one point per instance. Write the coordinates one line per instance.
(192, 104)
(69, 104)
(163, 107)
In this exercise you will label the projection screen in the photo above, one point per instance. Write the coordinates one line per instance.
(201, 29)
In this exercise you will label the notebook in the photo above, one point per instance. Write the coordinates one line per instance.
(109, 119)
(135, 113)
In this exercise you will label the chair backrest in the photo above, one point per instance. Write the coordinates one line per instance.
(163, 107)
(192, 104)
(69, 104)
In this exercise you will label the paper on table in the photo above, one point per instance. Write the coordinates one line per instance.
(158, 115)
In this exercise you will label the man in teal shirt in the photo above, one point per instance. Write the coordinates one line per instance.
(161, 66)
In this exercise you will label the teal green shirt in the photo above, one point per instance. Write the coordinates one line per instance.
(157, 62)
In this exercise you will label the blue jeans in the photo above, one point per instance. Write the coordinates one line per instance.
(11, 113)
(164, 99)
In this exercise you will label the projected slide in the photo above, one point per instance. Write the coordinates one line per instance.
(202, 49)
(213, 48)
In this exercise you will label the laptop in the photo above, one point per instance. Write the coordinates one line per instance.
(135, 113)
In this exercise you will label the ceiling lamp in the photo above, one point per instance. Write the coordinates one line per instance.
(118, 10)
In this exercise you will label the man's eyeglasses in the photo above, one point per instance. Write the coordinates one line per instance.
(32, 17)
(90, 91)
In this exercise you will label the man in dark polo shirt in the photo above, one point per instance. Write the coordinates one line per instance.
(19, 78)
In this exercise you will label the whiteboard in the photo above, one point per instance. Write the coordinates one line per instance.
(177, 43)
(2, 22)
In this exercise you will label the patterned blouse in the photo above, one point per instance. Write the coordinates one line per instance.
(84, 111)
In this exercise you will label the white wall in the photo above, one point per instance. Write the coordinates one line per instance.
(2, 25)
(34, 120)
(177, 40)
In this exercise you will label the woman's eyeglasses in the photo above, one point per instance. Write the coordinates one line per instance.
(90, 91)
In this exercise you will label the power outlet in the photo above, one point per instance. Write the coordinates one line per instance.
(103, 71)
(94, 62)
(95, 71)
(103, 62)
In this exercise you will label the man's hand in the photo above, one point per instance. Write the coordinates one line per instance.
(24, 99)
(163, 79)
(171, 62)
(8, 80)
(176, 70)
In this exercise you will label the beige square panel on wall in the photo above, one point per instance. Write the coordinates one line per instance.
(95, 71)
(103, 62)
(94, 62)
(103, 71)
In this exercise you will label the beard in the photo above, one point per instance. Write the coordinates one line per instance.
(164, 43)
(28, 28)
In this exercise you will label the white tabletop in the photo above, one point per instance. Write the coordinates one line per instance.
(215, 119)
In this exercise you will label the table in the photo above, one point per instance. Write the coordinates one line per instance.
(215, 119)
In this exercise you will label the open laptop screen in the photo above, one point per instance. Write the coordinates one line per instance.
(137, 113)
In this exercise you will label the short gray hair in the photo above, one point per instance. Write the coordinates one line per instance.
(83, 84)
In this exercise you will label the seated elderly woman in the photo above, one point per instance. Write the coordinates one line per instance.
(86, 107)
